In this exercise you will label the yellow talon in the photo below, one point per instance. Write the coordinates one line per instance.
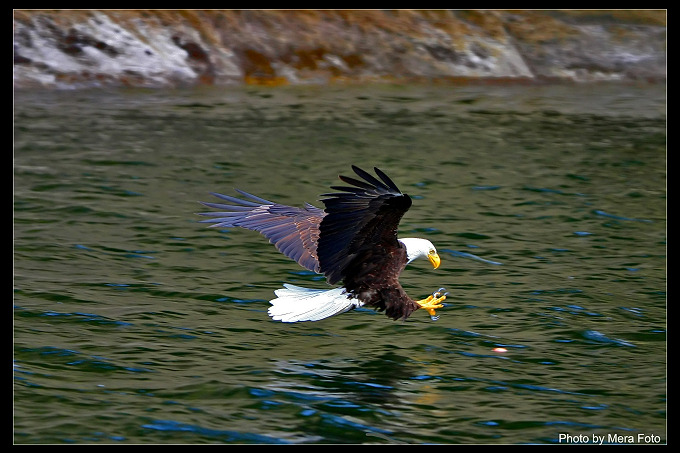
(433, 301)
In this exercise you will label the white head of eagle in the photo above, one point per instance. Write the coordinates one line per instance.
(420, 248)
(352, 241)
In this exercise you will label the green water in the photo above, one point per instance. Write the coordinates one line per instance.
(133, 323)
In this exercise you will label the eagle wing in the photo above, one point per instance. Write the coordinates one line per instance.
(294, 231)
(359, 218)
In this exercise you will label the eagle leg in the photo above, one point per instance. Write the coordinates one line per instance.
(433, 301)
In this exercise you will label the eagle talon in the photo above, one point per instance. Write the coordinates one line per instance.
(432, 302)
(438, 292)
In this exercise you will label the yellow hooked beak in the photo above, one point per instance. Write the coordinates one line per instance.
(434, 259)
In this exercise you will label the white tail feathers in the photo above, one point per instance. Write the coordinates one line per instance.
(294, 303)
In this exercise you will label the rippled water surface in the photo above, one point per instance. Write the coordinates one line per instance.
(133, 323)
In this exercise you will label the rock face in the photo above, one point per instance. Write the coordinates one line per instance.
(86, 48)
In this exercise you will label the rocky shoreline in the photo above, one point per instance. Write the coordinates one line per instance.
(177, 48)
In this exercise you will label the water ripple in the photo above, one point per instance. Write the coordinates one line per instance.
(219, 435)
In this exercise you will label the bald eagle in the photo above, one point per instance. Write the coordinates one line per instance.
(352, 241)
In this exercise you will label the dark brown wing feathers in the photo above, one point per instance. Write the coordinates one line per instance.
(358, 219)
(294, 231)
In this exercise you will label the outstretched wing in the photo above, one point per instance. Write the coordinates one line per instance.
(359, 219)
(294, 231)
